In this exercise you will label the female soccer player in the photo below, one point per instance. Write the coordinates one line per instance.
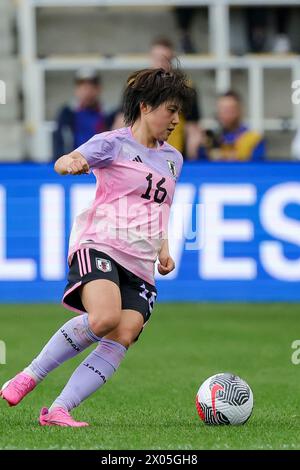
(115, 243)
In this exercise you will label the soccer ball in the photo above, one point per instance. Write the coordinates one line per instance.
(224, 399)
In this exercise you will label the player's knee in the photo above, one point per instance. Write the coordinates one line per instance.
(128, 337)
(104, 323)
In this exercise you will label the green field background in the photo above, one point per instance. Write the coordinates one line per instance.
(150, 402)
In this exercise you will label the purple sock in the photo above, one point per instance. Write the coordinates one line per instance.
(72, 338)
(91, 374)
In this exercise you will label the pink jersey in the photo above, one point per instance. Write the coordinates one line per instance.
(128, 219)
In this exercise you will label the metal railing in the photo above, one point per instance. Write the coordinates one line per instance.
(219, 59)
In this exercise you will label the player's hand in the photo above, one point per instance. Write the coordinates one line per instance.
(166, 264)
(68, 165)
(78, 166)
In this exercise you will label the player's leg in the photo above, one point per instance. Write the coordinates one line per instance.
(137, 299)
(128, 330)
(72, 338)
(101, 298)
(101, 363)
(77, 334)
(94, 371)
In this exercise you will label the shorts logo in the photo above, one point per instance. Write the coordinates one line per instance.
(148, 296)
(103, 265)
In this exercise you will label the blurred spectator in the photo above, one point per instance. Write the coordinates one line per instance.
(79, 121)
(184, 17)
(257, 20)
(234, 141)
(187, 135)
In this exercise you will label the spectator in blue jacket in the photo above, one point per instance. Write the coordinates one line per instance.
(79, 121)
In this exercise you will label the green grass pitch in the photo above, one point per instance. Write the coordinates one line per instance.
(150, 402)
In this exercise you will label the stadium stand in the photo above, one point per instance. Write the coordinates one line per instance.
(57, 37)
(11, 128)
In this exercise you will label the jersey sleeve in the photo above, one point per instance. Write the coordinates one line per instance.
(100, 151)
(179, 164)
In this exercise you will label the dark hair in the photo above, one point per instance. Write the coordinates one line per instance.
(154, 87)
(163, 41)
(231, 94)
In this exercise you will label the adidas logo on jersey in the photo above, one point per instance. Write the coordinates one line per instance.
(137, 159)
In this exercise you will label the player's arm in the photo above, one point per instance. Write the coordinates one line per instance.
(71, 164)
(166, 262)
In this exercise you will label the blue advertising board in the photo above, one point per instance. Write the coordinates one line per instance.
(234, 232)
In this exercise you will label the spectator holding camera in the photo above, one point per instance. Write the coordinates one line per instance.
(233, 141)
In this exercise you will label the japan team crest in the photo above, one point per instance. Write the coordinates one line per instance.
(103, 265)
(172, 168)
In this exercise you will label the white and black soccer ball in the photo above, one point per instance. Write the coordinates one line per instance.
(224, 399)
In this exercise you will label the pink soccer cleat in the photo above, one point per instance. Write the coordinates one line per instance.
(59, 417)
(17, 388)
